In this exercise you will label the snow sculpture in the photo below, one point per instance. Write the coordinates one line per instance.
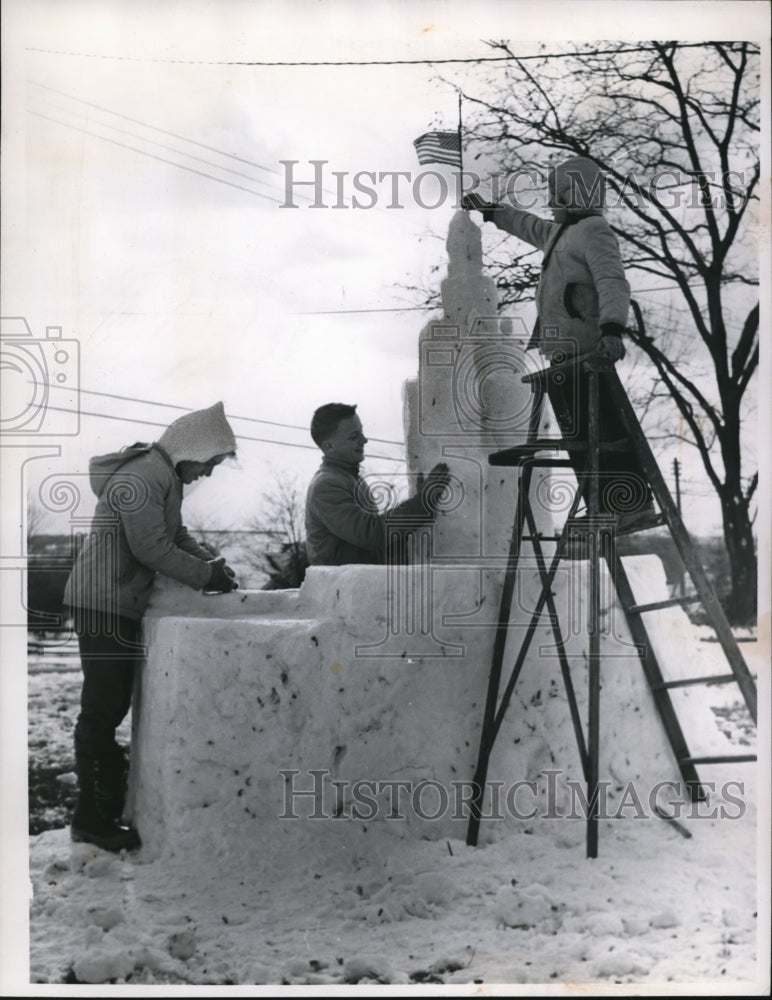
(468, 401)
(264, 714)
(288, 714)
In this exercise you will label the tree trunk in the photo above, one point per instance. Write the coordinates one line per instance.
(740, 603)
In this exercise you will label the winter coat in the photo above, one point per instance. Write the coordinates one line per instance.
(137, 529)
(583, 283)
(343, 524)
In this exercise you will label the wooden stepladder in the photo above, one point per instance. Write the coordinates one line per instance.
(598, 534)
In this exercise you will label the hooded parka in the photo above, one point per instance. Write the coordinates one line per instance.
(137, 529)
(582, 284)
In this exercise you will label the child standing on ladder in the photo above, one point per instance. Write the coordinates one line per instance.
(582, 302)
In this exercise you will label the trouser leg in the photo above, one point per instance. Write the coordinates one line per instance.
(109, 656)
(623, 485)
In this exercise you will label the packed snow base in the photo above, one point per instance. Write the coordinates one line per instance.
(251, 701)
(363, 904)
(224, 892)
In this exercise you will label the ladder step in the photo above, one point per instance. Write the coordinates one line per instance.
(652, 521)
(513, 456)
(671, 602)
(715, 679)
(742, 758)
(737, 638)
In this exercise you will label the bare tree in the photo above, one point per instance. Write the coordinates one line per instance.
(675, 129)
(280, 552)
(36, 522)
(212, 539)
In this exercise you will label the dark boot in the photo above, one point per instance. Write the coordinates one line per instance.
(94, 820)
(114, 767)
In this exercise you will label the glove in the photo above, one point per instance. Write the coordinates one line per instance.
(432, 489)
(610, 343)
(611, 347)
(222, 578)
(609, 350)
(472, 202)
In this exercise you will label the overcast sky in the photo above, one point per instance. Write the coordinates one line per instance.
(142, 205)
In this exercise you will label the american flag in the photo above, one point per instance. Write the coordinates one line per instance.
(439, 147)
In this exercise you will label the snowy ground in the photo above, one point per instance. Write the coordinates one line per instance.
(344, 904)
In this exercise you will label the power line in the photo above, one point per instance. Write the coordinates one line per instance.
(340, 312)
(353, 62)
(438, 305)
(181, 152)
(240, 437)
(222, 62)
(137, 121)
(188, 409)
(152, 156)
(161, 145)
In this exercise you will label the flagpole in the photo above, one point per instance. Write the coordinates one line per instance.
(460, 145)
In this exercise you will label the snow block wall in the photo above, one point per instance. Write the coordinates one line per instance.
(247, 699)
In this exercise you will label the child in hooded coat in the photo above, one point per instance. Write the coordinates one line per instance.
(137, 531)
(582, 302)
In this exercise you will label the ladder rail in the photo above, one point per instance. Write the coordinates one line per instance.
(489, 731)
(685, 547)
(565, 669)
(495, 709)
(545, 598)
(652, 670)
(593, 703)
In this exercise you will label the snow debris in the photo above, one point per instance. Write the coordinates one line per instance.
(93, 862)
(368, 969)
(256, 973)
(664, 919)
(527, 907)
(102, 965)
(446, 964)
(105, 917)
(182, 945)
(435, 888)
(299, 967)
(634, 926)
(615, 965)
(605, 922)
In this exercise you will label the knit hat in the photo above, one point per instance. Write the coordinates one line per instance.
(198, 436)
(578, 185)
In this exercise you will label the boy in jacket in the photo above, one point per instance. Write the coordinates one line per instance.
(343, 524)
(582, 302)
(136, 532)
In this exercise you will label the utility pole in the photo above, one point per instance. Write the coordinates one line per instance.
(677, 474)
